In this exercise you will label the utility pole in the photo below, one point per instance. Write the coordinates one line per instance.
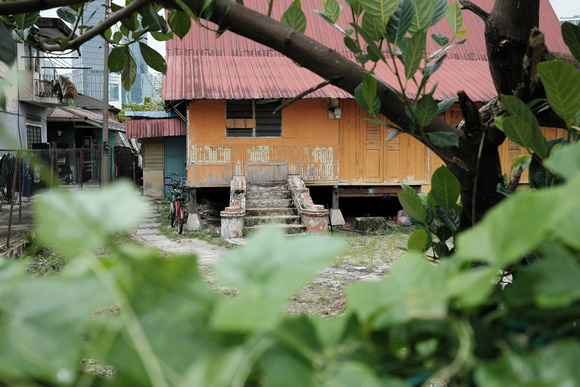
(105, 154)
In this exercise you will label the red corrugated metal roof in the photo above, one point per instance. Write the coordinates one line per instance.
(155, 127)
(232, 67)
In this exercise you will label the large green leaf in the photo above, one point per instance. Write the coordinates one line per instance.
(266, 271)
(571, 35)
(129, 73)
(516, 129)
(25, 20)
(80, 221)
(294, 17)
(454, 16)
(67, 14)
(444, 139)
(381, 9)
(537, 141)
(423, 15)
(440, 10)
(179, 22)
(117, 58)
(400, 21)
(414, 53)
(366, 95)
(414, 289)
(425, 110)
(565, 161)
(43, 321)
(371, 45)
(418, 240)
(373, 27)
(153, 58)
(412, 204)
(561, 81)
(532, 216)
(7, 46)
(445, 188)
(331, 9)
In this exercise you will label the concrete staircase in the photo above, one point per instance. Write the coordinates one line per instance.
(271, 203)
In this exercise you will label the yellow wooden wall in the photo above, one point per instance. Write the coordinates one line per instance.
(345, 151)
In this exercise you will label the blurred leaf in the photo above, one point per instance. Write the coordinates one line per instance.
(265, 272)
(25, 20)
(454, 17)
(430, 69)
(553, 365)
(561, 81)
(400, 21)
(446, 104)
(355, 5)
(67, 14)
(498, 244)
(445, 188)
(373, 28)
(7, 46)
(444, 139)
(162, 37)
(153, 58)
(80, 221)
(351, 44)
(414, 289)
(414, 53)
(418, 240)
(371, 45)
(565, 161)
(380, 9)
(471, 288)
(571, 35)
(294, 17)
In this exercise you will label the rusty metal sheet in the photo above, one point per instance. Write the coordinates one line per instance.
(155, 127)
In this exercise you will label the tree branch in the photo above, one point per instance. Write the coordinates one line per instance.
(299, 96)
(24, 6)
(100, 28)
(468, 5)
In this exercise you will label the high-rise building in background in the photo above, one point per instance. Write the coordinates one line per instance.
(88, 68)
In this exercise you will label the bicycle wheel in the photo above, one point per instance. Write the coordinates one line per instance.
(180, 221)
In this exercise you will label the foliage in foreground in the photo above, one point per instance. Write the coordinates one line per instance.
(450, 320)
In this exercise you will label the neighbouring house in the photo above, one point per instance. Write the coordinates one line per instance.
(231, 86)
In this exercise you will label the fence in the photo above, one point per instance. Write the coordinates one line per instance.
(25, 172)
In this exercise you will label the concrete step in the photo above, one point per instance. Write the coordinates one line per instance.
(250, 221)
(264, 211)
(268, 203)
(265, 195)
(266, 187)
(289, 228)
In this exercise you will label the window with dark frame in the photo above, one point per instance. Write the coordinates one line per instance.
(33, 135)
(253, 118)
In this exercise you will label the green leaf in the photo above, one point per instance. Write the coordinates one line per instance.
(366, 95)
(7, 46)
(117, 58)
(331, 9)
(440, 10)
(380, 9)
(153, 58)
(414, 289)
(371, 45)
(329, 21)
(500, 243)
(412, 205)
(80, 221)
(130, 22)
(561, 81)
(471, 288)
(418, 240)
(571, 35)
(356, 6)
(446, 104)
(25, 20)
(266, 271)
(444, 139)
(117, 37)
(552, 365)
(516, 129)
(565, 161)
(423, 15)
(373, 28)
(414, 53)
(160, 37)
(179, 22)
(430, 69)
(517, 108)
(352, 45)
(425, 110)
(440, 39)
(294, 17)
(400, 21)
(67, 14)
(454, 17)
(445, 188)
(151, 20)
(129, 73)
